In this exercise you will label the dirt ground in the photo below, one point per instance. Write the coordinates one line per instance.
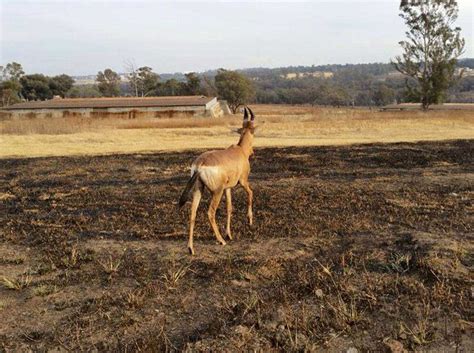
(365, 246)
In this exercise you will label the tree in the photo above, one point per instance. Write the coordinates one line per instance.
(171, 87)
(36, 87)
(11, 72)
(338, 97)
(363, 98)
(208, 86)
(431, 49)
(108, 83)
(132, 76)
(234, 87)
(10, 86)
(9, 92)
(147, 81)
(383, 95)
(193, 84)
(61, 84)
(143, 81)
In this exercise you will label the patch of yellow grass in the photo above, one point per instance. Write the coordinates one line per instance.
(15, 284)
(277, 126)
(78, 124)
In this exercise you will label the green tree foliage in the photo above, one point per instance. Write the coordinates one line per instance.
(192, 86)
(383, 95)
(11, 72)
(61, 84)
(16, 85)
(9, 92)
(171, 87)
(142, 81)
(175, 87)
(208, 86)
(108, 83)
(36, 87)
(358, 84)
(147, 81)
(234, 87)
(84, 91)
(334, 96)
(10, 86)
(431, 50)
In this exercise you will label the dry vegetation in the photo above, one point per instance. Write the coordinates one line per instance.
(77, 124)
(279, 126)
(363, 246)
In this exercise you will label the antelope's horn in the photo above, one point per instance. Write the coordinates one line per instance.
(252, 115)
(246, 114)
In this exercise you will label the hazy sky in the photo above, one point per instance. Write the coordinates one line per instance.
(83, 37)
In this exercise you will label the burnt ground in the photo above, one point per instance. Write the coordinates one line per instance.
(366, 246)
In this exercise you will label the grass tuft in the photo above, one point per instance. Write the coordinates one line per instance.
(44, 290)
(16, 284)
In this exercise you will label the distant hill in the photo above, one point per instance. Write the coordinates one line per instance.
(372, 84)
(375, 69)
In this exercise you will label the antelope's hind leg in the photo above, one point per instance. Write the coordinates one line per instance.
(228, 199)
(197, 193)
(216, 198)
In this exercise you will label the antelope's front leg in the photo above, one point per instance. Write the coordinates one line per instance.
(249, 191)
(228, 198)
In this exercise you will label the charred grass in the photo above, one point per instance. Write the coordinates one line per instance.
(358, 246)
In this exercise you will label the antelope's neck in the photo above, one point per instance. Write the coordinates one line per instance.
(245, 143)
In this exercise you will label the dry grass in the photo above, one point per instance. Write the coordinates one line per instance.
(111, 265)
(174, 123)
(44, 290)
(278, 126)
(16, 284)
(77, 124)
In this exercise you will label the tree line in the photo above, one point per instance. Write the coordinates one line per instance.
(16, 86)
(143, 82)
(350, 85)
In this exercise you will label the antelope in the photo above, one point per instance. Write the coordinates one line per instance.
(219, 171)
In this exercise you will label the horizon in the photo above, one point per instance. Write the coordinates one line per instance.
(79, 39)
(260, 67)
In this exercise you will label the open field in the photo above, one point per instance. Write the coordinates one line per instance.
(364, 246)
(279, 126)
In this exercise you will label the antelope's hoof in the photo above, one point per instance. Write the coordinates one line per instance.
(191, 251)
(222, 243)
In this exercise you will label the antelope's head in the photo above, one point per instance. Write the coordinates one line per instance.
(247, 131)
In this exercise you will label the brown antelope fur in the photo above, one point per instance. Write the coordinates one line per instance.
(219, 171)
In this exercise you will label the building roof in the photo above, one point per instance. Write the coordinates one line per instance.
(116, 102)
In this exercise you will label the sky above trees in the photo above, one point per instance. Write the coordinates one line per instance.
(83, 37)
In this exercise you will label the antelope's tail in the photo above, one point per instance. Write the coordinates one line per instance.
(187, 190)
